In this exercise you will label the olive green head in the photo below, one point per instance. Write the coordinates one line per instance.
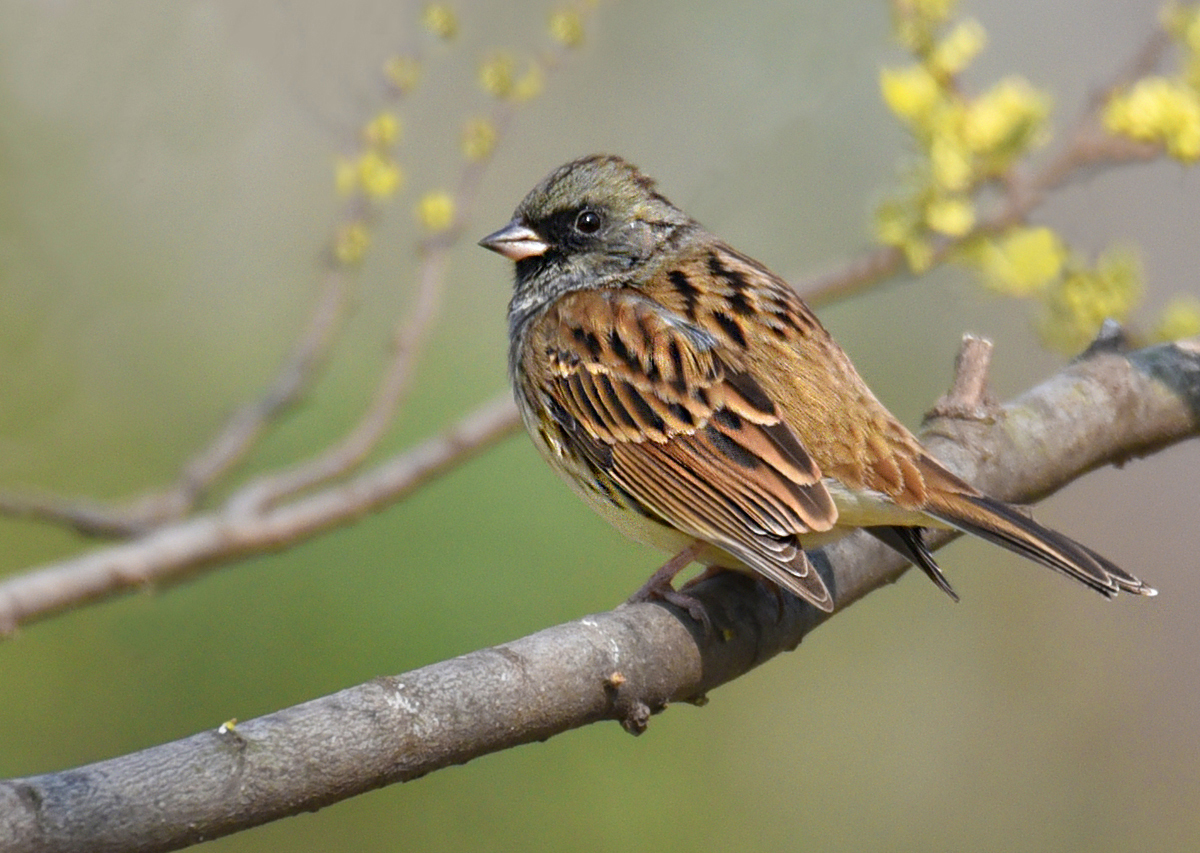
(594, 222)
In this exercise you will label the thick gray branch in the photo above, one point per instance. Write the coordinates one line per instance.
(624, 665)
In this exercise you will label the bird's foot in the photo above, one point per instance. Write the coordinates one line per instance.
(659, 588)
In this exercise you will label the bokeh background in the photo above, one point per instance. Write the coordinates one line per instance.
(166, 174)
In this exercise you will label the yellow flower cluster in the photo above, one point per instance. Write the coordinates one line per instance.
(1160, 110)
(403, 72)
(1165, 110)
(498, 76)
(1183, 23)
(964, 141)
(478, 139)
(1021, 262)
(1075, 298)
(383, 131)
(351, 243)
(917, 22)
(374, 173)
(566, 27)
(440, 20)
(1180, 319)
(1075, 308)
(435, 210)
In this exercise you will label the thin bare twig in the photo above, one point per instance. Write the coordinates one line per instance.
(226, 449)
(393, 387)
(172, 553)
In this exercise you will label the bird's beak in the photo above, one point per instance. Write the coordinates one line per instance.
(516, 241)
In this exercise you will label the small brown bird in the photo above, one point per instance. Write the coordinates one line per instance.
(691, 397)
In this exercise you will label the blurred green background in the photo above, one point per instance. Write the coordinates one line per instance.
(166, 175)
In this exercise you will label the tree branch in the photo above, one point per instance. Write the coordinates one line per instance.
(623, 665)
(235, 439)
(172, 553)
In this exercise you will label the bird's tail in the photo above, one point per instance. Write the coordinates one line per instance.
(1010, 528)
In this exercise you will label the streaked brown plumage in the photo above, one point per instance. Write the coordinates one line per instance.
(693, 399)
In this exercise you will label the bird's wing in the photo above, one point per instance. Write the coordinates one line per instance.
(691, 441)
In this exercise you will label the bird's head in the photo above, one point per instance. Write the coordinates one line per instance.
(595, 222)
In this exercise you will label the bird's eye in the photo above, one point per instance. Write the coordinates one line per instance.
(588, 222)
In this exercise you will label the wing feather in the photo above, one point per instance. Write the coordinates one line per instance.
(690, 438)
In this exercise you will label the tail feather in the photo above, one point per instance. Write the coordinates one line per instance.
(1008, 527)
(909, 542)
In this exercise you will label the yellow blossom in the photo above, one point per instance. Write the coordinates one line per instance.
(403, 72)
(1179, 320)
(1022, 262)
(954, 52)
(351, 243)
(478, 139)
(910, 92)
(915, 21)
(497, 73)
(897, 224)
(383, 131)
(918, 253)
(1160, 110)
(566, 27)
(951, 163)
(378, 175)
(435, 210)
(1005, 119)
(1084, 298)
(440, 20)
(935, 11)
(893, 223)
(375, 174)
(1183, 23)
(965, 141)
(953, 216)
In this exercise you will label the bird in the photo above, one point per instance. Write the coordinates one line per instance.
(691, 397)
